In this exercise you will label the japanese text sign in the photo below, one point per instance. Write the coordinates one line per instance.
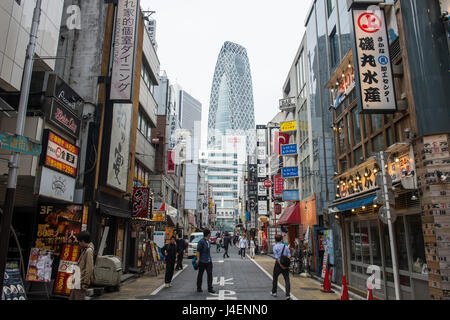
(60, 154)
(373, 62)
(141, 202)
(124, 50)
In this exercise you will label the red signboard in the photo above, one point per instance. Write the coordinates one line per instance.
(279, 184)
(69, 257)
(141, 202)
(61, 155)
(171, 162)
(280, 139)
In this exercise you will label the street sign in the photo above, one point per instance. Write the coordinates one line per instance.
(383, 215)
(19, 144)
(268, 183)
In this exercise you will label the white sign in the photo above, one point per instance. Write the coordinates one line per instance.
(124, 50)
(373, 61)
(261, 152)
(262, 171)
(158, 237)
(120, 147)
(262, 190)
(56, 185)
(262, 206)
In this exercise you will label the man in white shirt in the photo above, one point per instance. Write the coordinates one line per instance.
(242, 246)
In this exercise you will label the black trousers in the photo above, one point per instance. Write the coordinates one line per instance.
(180, 261)
(242, 252)
(277, 270)
(201, 269)
(170, 265)
(226, 252)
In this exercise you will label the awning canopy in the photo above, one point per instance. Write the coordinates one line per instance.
(114, 211)
(356, 204)
(171, 222)
(291, 215)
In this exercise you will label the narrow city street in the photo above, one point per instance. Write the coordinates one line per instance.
(233, 279)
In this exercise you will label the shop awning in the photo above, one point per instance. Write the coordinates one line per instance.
(114, 211)
(291, 215)
(356, 204)
(171, 222)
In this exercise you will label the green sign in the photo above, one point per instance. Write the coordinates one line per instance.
(19, 144)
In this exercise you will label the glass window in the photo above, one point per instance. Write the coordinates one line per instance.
(400, 237)
(376, 122)
(375, 243)
(341, 136)
(330, 7)
(365, 247)
(334, 48)
(139, 121)
(356, 126)
(414, 223)
(378, 143)
(359, 158)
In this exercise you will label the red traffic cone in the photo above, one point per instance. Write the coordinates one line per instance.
(327, 283)
(344, 295)
(369, 293)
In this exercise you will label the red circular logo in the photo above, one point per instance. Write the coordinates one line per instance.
(268, 183)
(369, 22)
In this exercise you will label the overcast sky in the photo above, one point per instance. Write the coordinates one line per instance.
(190, 34)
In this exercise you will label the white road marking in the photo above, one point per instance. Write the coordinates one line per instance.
(222, 282)
(271, 278)
(163, 285)
(223, 295)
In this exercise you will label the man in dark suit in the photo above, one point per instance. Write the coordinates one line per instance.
(170, 253)
(226, 243)
(181, 247)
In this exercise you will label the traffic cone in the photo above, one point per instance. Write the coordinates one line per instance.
(344, 295)
(327, 283)
(369, 293)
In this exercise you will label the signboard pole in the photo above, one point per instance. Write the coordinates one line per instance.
(391, 229)
(20, 124)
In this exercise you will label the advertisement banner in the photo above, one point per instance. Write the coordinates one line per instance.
(290, 172)
(373, 61)
(69, 257)
(124, 51)
(170, 162)
(288, 126)
(119, 149)
(288, 149)
(39, 265)
(141, 202)
(280, 139)
(58, 225)
(60, 154)
(262, 207)
(13, 288)
(278, 185)
(65, 118)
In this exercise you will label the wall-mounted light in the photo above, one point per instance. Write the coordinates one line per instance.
(364, 207)
(353, 210)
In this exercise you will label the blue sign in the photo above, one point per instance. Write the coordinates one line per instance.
(291, 195)
(288, 149)
(289, 172)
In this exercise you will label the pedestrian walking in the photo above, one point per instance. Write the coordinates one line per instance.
(218, 242)
(204, 261)
(252, 248)
(243, 246)
(170, 253)
(181, 248)
(86, 265)
(282, 255)
(226, 243)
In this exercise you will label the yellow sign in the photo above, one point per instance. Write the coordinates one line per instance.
(158, 215)
(288, 126)
(263, 219)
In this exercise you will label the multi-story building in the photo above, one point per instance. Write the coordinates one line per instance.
(231, 110)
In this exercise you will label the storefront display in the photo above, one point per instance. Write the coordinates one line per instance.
(40, 265)
(13, 288)
(69, 257)
(58, 225)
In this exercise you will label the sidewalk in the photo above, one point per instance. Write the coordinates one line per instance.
(301, 288)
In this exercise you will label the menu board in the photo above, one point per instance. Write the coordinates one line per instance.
(40, 265)
(13, 288)
(69, 258)
(58, 225)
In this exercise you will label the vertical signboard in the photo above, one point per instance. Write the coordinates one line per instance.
(141, 202)
(373, 61)
(280, 139)
(278, 185)
(170, 162)
(119, 149)
(124, 51)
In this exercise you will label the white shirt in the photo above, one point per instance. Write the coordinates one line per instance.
(243, 243)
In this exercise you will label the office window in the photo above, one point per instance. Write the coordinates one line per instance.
(330, 7)
(144, 125)
(356, 126)
(334, 48)
(377, 123)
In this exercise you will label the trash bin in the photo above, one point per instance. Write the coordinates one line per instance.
(108, 271)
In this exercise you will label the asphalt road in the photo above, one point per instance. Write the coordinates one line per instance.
(234, 278)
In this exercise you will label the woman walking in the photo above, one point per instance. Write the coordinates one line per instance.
(252, 248)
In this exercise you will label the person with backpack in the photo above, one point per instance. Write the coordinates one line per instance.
(282, 255)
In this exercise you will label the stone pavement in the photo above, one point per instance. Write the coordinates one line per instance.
(302, 288)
